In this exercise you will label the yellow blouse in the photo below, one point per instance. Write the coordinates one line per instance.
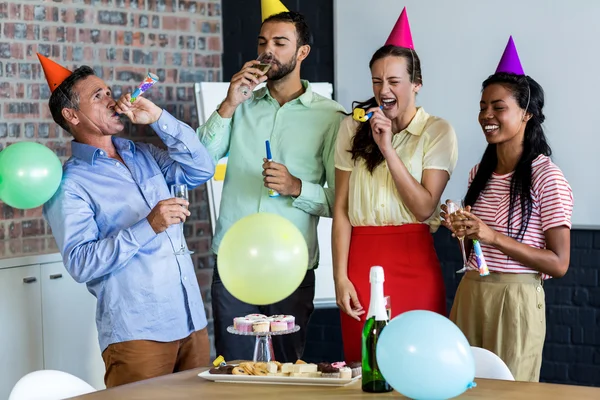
(428, 142)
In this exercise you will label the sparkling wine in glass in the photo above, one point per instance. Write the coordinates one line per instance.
(453, 208)
(181, 191)
(263, 65)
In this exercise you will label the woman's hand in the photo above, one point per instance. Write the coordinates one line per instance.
(469, 225)
(452, 219)
(347, 299)
(381, 126)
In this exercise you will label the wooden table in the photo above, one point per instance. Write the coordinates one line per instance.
(187, 385)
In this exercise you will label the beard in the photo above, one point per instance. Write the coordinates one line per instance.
(283, 70)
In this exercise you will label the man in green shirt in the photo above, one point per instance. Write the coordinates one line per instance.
(302, 128)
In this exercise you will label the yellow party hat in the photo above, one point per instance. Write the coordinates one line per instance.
(271, 7)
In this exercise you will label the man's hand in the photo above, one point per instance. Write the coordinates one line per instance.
(278, 178)
(142, 111)
(248, 76)
(168, 212)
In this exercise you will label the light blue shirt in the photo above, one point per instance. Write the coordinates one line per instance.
(98, 218)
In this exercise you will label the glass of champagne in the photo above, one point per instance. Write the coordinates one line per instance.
(263, 65)
(181, 191)
(453, 208)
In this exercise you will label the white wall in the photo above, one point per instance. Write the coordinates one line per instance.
(460, 44)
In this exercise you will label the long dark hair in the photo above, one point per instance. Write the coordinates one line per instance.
(363, 144)
(530, 97)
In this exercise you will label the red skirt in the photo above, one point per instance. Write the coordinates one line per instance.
(413, 277)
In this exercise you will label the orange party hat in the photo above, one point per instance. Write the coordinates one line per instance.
(55, 73)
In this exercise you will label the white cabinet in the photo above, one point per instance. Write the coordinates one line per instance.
(69, 321)
(21, 348)
(47, 321)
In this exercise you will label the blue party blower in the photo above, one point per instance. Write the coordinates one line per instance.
(272, 193)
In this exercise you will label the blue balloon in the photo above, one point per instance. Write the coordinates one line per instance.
(423, 355)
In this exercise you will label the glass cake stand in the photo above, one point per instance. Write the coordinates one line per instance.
(263, 346)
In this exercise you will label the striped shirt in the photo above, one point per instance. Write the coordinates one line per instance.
(552, 206)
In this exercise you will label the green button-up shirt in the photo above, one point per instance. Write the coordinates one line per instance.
(302, 134)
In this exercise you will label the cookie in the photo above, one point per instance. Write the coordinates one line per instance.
(238, 371)
(249, 368)
(260, 372)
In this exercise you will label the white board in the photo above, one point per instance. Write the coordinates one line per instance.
(208, 96)
(460, 44)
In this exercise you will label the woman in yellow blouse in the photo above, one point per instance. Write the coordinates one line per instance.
(390, 173)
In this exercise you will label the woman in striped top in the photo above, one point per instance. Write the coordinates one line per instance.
(518, 206)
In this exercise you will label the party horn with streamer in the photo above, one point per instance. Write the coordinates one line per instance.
(146, 84)
(359, 114)
(481, 264)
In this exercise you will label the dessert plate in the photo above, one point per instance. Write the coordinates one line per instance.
(277, 380)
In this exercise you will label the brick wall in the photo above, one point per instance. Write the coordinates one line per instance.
(122, 40)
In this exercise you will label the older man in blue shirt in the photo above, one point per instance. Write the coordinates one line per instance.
(117, 228)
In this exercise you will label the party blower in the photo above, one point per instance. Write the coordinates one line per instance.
(146, 84)
(272, 193)
(359, 114)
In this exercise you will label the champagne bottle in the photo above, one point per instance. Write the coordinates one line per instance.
(377, 319)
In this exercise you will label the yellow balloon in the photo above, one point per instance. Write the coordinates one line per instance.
(262, 259)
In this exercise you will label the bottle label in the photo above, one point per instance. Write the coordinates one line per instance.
(388, 306)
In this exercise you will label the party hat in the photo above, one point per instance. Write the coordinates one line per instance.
(510, 60)
(271, 7)
(55, 74)
(401, 35)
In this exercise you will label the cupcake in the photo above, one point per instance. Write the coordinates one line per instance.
(345, 373)
(256, 316)
(356, 368)
(291, 321)
(260, 325)
(328, 371)
(242, 324)
(278, 325)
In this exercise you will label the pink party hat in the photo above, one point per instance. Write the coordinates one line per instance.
(401, 35)
(510, 60)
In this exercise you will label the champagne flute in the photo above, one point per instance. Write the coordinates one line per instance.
(181, 191)
(263, 65)
(453, 208)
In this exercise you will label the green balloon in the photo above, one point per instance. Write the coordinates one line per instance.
(30, 174)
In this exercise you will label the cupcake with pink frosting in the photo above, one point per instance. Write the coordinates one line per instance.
(278, 325)
(242, 324)
(256, 316)
(291, 321)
